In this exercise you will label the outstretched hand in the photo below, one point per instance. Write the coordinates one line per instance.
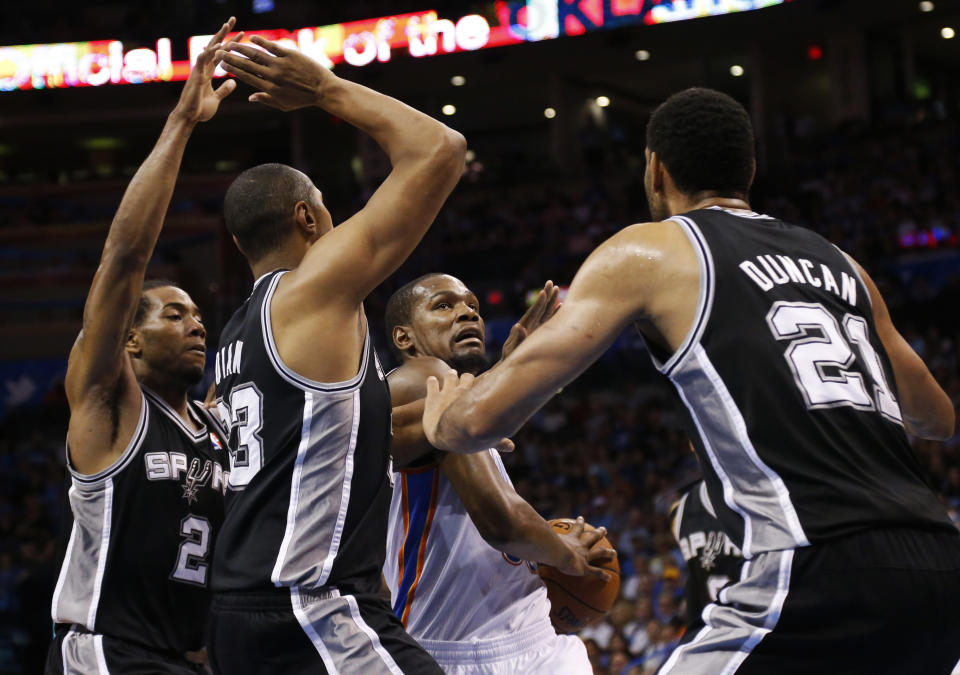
(199, 101)
(440, 396)
(536, 315)
(586, 560)
(286, 79)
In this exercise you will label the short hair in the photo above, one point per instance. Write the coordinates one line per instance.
(144, 305)
(705, 140)
(258, 206)
(399, 311)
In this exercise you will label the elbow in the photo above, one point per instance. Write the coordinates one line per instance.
(945, 427)
(450, 150)
(497, 528)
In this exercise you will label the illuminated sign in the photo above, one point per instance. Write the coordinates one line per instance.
(358, 43)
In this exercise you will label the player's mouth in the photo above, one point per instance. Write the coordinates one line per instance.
(471, 336)
(199, 349)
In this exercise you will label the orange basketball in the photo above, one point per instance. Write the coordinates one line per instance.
(577, 602)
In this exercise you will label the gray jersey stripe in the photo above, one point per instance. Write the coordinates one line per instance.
(82, 654)
(320, 486)
(733, 630)
(750, 486)
(61, 580)
(102, 553)
(342, 638)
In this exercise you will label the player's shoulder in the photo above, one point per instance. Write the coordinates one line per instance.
(408, 382)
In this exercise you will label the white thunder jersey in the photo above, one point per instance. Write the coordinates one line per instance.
(446, 583)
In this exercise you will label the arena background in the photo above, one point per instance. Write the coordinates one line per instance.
(856, 106)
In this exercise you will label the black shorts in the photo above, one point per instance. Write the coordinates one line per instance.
(77, 650)
(311, 632)
(880, 601)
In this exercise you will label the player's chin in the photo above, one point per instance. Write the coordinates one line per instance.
(192, 373)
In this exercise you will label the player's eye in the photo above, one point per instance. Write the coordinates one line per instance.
(174, 317)
(441, 305)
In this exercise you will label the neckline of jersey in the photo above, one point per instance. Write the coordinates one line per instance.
(195, 436)
(743, 213)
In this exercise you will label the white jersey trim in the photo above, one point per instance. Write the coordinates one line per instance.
(345, 494)
(62, 579)
(196, 436)
(102, 554)
(704, 301)
(295, 487)
(705, 499)
(92, 481)
(288, 373)
(101, 657)
(743, 213)
(679, 516)
(311, 632)
(374, 639)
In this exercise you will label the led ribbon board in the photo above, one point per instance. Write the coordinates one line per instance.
(359, 43)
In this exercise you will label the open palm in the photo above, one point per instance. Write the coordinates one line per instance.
(199, 101)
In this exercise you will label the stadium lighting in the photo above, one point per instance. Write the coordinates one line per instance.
(458, 80)
(947, 33)
(470, 156)
(448, 110)
(926, 6)
(736, 70)
(549, 113)
(603, 101)
(642, 55)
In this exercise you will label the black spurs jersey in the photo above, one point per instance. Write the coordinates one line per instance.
(137, 566)
(309, 488)
(713, 561)
(788, 394)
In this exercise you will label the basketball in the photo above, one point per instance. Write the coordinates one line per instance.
(577, 602)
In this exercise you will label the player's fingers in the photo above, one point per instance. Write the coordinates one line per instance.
(601, 555)
(248, 78)
(591, 537)
(225, 89)
(449, 380)
(577, 528)
(597, 573)
(272, 47)
(433, 385)
(552, 304)
(252, 53)
(265, 99)
(224, 29)
(466, 380)
(234, 62)
(506, 445)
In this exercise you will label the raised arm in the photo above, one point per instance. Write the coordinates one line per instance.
(612, 289)
(100, 383)
(927, 410)
(427, 159)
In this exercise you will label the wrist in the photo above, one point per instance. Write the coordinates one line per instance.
(180, 118)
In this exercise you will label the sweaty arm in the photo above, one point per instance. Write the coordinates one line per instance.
(927, 410)
(100, 383)
(609, 292)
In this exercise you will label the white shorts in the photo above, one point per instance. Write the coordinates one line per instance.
(537, 649)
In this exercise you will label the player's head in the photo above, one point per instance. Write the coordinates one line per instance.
(167, 340)
(272, 207)
(437, 315)
(699, 145)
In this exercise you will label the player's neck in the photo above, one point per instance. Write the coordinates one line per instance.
(285, 257)
(705, 200)
(173, 393)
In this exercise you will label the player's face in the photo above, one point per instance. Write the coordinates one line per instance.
(172, 337)
(655, 201)
(447, 324)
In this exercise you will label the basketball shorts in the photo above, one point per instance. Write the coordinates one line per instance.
(878, 601)
(311, 632)
(77, 651)
(536, 650)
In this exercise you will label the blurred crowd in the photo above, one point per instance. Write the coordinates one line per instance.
(609, 447)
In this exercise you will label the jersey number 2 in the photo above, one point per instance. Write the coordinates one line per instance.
(822, 359)
(192, 556)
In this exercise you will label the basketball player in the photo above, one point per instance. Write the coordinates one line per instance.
(713, 561)
(297, 571)
(146, 463)
(459, 533)
(798, 393)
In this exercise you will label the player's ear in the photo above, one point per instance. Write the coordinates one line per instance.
(304, 219)
(134, 345)
(656, 172)
(403, 338)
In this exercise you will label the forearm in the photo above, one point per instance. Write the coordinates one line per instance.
(530, 537)
(409, 442)
(927, 410)
(402, 131)
(137, 223)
